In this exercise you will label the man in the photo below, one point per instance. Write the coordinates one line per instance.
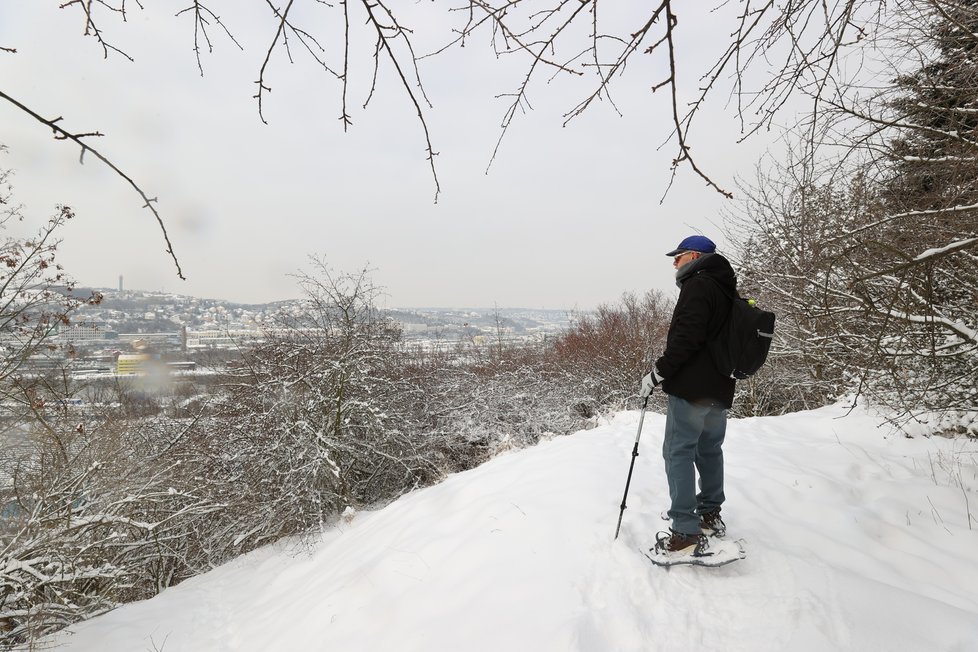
(698, 395)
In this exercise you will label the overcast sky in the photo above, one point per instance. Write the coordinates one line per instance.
(566, 217)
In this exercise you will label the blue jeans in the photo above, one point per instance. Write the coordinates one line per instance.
(693, 440)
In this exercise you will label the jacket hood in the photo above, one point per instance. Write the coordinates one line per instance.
(713, 265)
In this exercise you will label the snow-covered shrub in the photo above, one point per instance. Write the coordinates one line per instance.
(608, 352)
(512, 397)
(334, 411)
(93, 516)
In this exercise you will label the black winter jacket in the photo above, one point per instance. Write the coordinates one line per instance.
(701, 310)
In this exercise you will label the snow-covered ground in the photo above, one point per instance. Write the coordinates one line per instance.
(857, 539)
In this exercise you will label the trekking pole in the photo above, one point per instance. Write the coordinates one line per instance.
(631, 466)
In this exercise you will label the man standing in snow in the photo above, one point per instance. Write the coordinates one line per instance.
(698, 395)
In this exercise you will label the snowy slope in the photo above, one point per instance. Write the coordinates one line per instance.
(858, 539)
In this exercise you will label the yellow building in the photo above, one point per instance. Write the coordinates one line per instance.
(135, 363)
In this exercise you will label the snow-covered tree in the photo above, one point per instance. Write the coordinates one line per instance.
(786, 260)
(915, 265)
(871, 263)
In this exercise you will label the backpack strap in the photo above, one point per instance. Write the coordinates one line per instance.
(718, 333)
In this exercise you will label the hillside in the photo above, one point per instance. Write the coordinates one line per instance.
(857, 538)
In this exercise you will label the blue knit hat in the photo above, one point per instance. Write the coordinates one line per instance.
(699, 243)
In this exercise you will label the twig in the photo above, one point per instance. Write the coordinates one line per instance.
(201, 14)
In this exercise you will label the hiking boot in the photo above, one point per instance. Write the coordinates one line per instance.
(712, 525)
(677, 542)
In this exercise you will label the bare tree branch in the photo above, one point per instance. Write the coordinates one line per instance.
(77, 138)
(395, 31)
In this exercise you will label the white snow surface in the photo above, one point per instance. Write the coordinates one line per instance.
(858, 538)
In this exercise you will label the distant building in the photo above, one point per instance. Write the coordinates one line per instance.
(220, 339)
(166, 340)
(136, 364)
(150, 364)
(414, 327)
(80, 333)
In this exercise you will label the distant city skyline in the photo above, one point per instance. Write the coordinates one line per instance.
(386, 305)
